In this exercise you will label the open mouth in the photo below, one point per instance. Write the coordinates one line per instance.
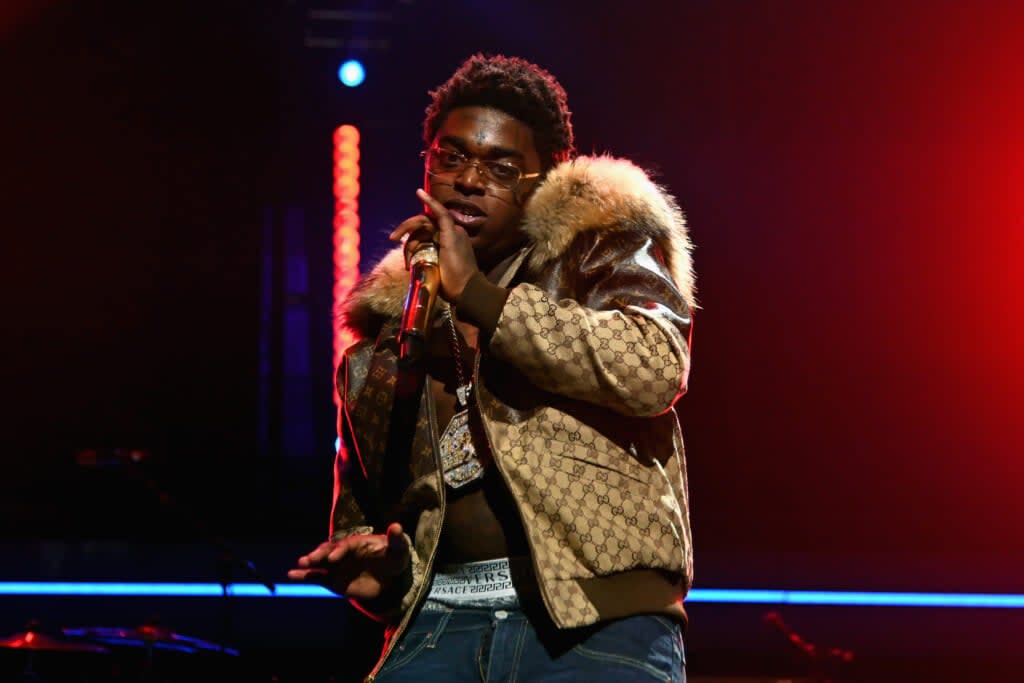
(465, 214)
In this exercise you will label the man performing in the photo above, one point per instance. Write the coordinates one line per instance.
(513, 503)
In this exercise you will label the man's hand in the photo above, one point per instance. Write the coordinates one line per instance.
(360, 566)
(455, 252)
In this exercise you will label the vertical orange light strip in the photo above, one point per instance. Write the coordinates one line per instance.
(346, 229)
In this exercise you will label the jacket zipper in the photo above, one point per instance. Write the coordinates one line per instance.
(425, 586)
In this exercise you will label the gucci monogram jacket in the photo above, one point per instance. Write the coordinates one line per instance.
(575, 388)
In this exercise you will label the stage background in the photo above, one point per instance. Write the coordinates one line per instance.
(851, 174)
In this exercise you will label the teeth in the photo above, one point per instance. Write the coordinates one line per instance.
(465, 211)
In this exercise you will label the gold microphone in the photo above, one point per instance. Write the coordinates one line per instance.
(424, 282)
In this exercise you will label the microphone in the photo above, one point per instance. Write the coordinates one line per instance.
(424, 281)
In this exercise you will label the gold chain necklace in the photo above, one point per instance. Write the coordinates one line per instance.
(465, 387)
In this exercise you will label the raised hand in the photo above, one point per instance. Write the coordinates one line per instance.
(455, 254)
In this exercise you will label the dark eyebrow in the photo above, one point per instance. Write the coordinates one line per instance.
(492, 152)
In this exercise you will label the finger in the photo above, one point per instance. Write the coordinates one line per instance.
(339, 552)
(425, 234)
(359, 548)
(409, 225)
(447, 230)
(395, 534)
(397, 544)
(434, 207)
(402, 228)
(419, 237)
(317, 555)
(311, 575)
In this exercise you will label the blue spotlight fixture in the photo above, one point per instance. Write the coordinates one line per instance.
(351, 73)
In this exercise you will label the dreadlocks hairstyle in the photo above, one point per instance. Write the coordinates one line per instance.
(515, 86)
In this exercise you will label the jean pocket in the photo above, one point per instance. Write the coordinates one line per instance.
(643, 644)
(423, 632)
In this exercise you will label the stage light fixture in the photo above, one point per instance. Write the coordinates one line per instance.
(346, 230)
(351, 73)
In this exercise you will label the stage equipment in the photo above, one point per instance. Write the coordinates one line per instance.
(38, 655)
(826, 665)
(152, 652)
(34, 638)
(148, 636)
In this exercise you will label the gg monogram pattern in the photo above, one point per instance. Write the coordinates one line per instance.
(602, 495)
(624, 360)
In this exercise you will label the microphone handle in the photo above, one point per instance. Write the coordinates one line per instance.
(424, 283)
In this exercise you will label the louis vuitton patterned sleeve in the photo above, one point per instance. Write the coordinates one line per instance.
(356, 505)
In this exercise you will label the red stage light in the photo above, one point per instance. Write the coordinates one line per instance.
(346, 228)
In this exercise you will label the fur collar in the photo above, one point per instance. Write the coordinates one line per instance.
(586, 193)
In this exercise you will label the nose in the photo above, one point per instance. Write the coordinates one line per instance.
(471, 179)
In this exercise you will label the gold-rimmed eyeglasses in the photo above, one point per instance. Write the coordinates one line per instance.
(445, 161)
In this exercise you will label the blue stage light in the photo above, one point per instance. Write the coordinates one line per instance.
(351, 73)
(705, 595)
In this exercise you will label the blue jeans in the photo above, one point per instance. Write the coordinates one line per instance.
(501, 645)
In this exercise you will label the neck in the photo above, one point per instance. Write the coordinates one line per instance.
(496, 270)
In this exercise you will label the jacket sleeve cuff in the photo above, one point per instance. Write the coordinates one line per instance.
(481, 303)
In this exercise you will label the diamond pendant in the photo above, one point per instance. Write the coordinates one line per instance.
(458, 457)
